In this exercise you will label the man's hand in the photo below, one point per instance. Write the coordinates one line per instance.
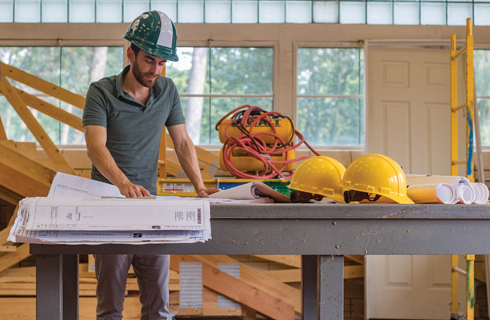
(131, 190)
(204, 193)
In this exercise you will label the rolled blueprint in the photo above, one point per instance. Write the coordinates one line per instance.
(481, 193)
(462, 194)
(465, 193)
(431, 193)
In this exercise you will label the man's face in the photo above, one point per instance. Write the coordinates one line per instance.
(147, 68)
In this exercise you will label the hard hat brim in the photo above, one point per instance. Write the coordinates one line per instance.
(159, 52)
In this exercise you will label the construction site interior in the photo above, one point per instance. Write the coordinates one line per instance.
(352, 77)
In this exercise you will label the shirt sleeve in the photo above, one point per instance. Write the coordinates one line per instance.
(176, 115)
(95, 111)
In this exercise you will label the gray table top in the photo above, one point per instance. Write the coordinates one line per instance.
(326, 229)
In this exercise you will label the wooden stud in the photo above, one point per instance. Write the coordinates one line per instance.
(42, 85)
(19, 273)
(239, 291)
(36, 129)
(8, 248)
(51, 110)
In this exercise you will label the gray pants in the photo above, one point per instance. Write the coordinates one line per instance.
(152, 272)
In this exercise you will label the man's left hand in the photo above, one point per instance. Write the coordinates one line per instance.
(204, 193)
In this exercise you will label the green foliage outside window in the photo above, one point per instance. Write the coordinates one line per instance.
(335, 120)
(220, 71)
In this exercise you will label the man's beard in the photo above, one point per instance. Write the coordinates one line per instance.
(140, 76)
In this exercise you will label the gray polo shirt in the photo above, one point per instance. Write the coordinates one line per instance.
(133, 130)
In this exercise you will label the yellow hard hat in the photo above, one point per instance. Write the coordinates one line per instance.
(321, 176)
(377, 174)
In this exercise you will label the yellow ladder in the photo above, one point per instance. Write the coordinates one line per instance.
(470, 107)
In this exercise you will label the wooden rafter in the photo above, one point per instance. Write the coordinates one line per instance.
(9, 196)
(51, 110)
(239, 290)
(292, 261)
(42, 85)
(36, 129)
(3, 133)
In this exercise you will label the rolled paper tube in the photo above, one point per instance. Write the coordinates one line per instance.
(431, 193)
(465, 193)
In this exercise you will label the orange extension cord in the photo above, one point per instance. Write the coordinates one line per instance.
(255, 146)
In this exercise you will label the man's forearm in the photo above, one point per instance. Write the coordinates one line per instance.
(188, 160)
(105, 163)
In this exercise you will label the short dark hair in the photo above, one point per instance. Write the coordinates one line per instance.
(135, 49)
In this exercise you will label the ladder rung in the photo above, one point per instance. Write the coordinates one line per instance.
(460, 52)
(458, 162)
(458, 108)
(460, 271)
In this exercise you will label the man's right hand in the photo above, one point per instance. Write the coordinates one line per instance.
(131, 190)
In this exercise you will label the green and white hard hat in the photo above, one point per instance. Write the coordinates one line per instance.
(154, 33)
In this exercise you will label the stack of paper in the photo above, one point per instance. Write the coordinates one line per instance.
(86, 218)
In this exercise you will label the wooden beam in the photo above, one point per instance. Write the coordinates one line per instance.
(203, 155)
(21, 184)
(292, 261)
(9, 196)
(3, 133)
(8, 248)
(358, 259)
(12, 258)
(33, 125)
(51, 110)
(289, 275)
(351, 272)
(259, 280)
(26, 166)
(162, 156)
(239, 291)
(19, 272)
(42, 85)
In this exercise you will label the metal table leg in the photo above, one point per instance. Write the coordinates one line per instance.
(70, 287)
(309, 287)
(49, 287)
(331, 287)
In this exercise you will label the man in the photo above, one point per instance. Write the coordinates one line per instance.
(123, 120)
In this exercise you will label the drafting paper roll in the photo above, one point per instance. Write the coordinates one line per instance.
(465, 193)
(431, 193)
(481, 193)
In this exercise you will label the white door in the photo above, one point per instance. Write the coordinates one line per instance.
(408, 119)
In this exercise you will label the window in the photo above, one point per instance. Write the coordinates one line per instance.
(214, 81)
(330, 96)
(72, 68)
(404, 12)
(482, 81)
